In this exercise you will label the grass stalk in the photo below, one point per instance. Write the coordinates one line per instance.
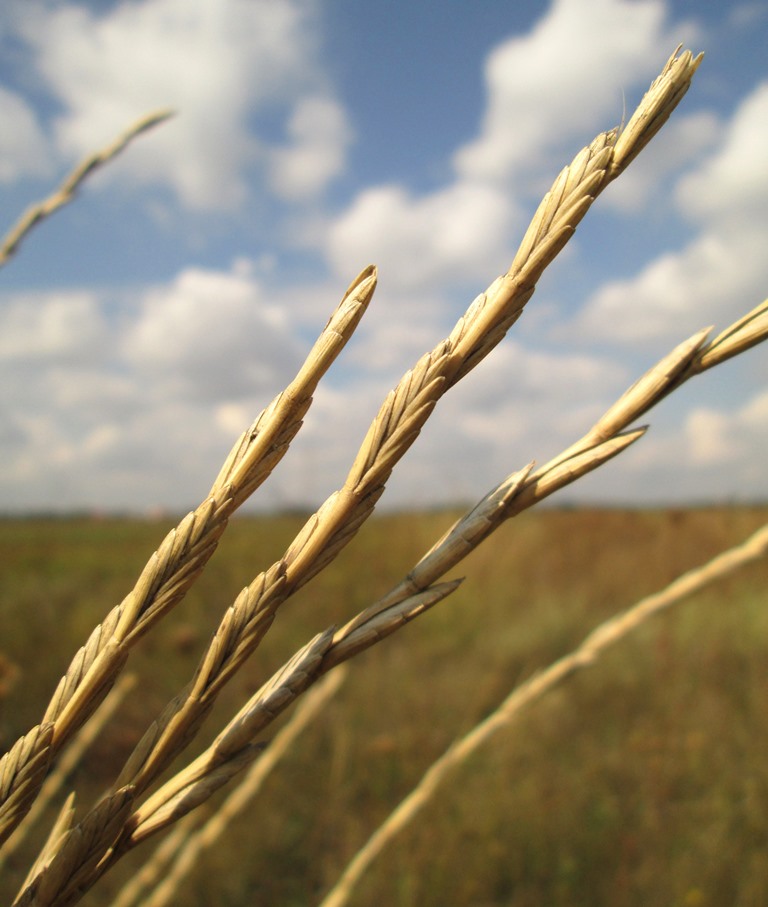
(68, 189)
(173, 568)
(394, 430)
(420, 589)
(140, 804)
(68, 763)
(178, 853)
(586, 654)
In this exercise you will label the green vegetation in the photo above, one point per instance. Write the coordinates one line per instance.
(640, 781)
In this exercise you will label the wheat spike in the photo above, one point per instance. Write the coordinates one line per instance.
(393, 431)
(178, 561)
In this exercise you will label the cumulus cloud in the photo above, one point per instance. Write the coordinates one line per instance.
(712, 280)
(723, 270)
(548, 91)
(728, 438)
(22, 141)
(535, 397)
(219, 63)
(561, 80)
(456, 232)
(693, 454)
(136, 405)
(733, 183)
(645, 185)
(319, 135)
(115, 401)
(210, 335)
(57, 327)
(521, 404)
(133, 404)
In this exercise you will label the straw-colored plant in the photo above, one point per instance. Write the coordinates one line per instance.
(530, 691)
(145, 798)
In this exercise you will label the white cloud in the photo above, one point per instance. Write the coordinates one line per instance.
(723, 271)
(219, 63)
(23, 145)
(645, 184)
(733, 183)
(54, 328)
(519, 405)
(698, 454)
(548, 92)
(713, 280)
(136, 406)
(710, 439)
(728, 438)
(456, 232)
(562, 80)
(136, 403)
(319, 135)
(532, 397)
(211, 335)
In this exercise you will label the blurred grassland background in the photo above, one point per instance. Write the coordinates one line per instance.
(642, 781)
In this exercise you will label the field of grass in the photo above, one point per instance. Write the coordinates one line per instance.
(643, 780)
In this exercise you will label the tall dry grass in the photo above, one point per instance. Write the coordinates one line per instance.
(585, 655)
(158, 784)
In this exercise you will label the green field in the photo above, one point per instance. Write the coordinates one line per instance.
(642, 781)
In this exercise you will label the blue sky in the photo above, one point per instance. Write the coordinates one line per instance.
(146, 325)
